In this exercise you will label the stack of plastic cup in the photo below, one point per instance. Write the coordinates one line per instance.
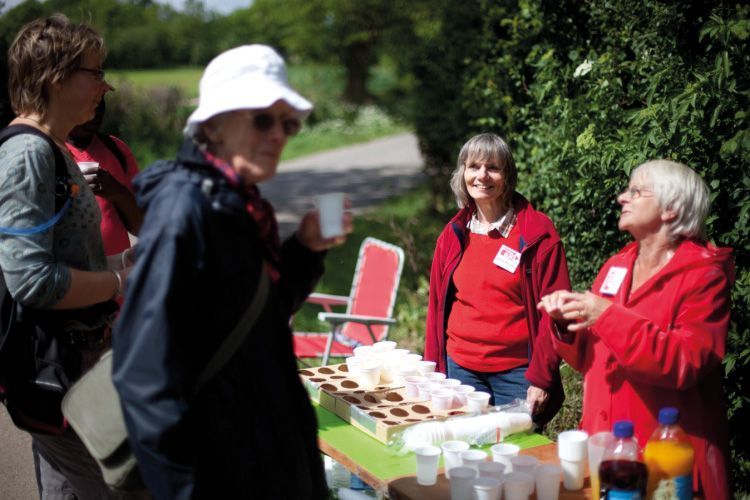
(491, 469)
(442, 399)
(452, 455)
(412, 385)
(472, 458)
(487, 488)
(503, 452)
(477, 401)
(517, 485)
(572, 450)
(596, 446)
(547, 479)
(426, 367)
(460, 392)
(525, 463)
(425, 434)
(462, 479)
(427, 464)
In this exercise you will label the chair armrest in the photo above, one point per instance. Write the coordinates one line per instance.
(326, 300)
(339, 318)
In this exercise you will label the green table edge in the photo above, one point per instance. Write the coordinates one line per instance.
(377, 458)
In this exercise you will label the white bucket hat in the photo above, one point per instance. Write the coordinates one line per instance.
(246, 77)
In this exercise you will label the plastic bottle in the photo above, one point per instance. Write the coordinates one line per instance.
(669, 457)
(621, 474)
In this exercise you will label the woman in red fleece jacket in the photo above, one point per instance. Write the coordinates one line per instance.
(492, 263)
(652, 331)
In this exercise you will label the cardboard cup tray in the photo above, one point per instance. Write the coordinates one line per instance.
(380, 412)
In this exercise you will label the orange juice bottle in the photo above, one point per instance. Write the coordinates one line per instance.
(669, 457)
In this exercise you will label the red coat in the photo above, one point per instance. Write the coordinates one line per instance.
(543, 270)
(662, 346)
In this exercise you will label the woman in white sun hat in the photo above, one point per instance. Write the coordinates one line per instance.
(208, 243)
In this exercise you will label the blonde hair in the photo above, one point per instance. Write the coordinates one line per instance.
(485, 147)
(46, 51)
(678, 188)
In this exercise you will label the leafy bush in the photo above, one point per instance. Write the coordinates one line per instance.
(586, 91)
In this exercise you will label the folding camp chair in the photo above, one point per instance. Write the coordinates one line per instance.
(369, 306)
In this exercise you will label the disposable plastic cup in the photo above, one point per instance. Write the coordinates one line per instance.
(477, 400)
(368, 373)
(435, 376)
(412, 385)
(472, 458)
(88, 167)
(384, 345)
(572, 449)
(524, 463)
(596, 446)
(450, 382)
(424, 391)
(547, 479)
(397, 353)
(452, 455)
(363, 350)
(487, 488)
(412, 358)
(461, 483)
(441, 399)
(400, 372)
(331, 213)
(503, 452)
(425, 367)
(517, 485)
(460, 392)
(427, 464)
(491, 469)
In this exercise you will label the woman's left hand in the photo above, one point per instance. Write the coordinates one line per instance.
(536, 399)
(308, 232)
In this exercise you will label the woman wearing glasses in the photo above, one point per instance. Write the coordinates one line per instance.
(56, 83)
(652, 331)
(207, 240)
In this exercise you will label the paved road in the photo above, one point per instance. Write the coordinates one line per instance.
(369, 173)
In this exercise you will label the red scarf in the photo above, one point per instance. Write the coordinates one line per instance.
(261, 212)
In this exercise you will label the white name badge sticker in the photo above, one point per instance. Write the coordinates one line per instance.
(612, 282)
(507, 258)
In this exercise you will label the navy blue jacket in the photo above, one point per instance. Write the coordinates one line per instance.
(251, 431)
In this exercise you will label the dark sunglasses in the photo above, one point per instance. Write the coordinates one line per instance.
(263, 122)
(98, 73)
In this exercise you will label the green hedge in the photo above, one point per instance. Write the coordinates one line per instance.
(587, 90)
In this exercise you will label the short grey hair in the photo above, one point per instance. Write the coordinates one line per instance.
(485, 147)
(677, 187)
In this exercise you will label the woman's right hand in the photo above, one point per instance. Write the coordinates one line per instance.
(554, 305)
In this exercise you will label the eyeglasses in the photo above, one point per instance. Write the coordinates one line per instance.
(263, 122)
(635, 192)
(98, 73)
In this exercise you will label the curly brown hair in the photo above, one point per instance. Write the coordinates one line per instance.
(46, 51)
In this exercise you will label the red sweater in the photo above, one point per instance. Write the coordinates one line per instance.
(487, 329)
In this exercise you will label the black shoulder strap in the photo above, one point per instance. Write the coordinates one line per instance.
(115, 149)
(61, 172)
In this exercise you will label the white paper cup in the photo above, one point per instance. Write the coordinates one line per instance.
(450, 382)
(596, 446)
(368, 373)
(477, 400)
(572, 449)
(363, 350)
(412, 359)
(425, 367)
(547, 479)
(452, 455)
(427, 464)
(524, 463)
(442, 399)
(517, 485)
(424, 391)
(400, 372)
(503, 452)
(412, 385)
(435, 376)
(331, 212)
(461, 483)
(459, 394)
(88, 167)
(472, 458)
(384, 345)
(397, 353)
(491, 469)
(487, 488)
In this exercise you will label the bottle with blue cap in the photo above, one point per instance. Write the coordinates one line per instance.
(669, 457)
(622, 474)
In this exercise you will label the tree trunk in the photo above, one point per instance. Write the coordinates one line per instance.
(357, 61)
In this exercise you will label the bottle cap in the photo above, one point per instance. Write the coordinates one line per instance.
(623, 429)
(669, 416)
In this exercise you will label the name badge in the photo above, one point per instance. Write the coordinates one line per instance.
(612, 282)
(507, 258)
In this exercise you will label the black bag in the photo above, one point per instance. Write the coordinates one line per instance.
(37, 361)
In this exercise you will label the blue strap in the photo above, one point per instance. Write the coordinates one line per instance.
(40, 228)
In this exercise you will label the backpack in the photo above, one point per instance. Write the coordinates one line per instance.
(36, 366)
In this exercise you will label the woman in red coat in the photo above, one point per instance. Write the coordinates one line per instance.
(493, 262)
(652, 331)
